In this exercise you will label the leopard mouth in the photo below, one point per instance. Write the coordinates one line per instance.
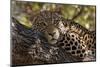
(53, 39)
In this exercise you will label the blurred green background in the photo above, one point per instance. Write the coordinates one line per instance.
(86, 14)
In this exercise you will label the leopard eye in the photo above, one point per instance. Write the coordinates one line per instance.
(50, 34)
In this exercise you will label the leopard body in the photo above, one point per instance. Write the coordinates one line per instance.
(71, 36)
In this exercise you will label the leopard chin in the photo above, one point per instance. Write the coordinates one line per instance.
(53, 41)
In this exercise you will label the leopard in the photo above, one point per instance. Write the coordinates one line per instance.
(65, 33)
(70, 39)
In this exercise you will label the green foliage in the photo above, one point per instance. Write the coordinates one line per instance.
(86, 18)
(24, 20)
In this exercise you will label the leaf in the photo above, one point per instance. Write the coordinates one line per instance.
(24, 20)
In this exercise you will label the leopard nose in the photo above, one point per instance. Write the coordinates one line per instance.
(53, 39)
